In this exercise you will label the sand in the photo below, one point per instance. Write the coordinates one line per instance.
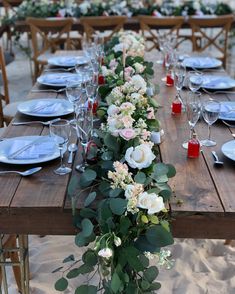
(201, 266)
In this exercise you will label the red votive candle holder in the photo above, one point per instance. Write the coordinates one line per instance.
(101, 80)
(169, 80)
(176, 107)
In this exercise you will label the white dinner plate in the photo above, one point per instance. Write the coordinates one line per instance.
(58, 79)
(67, 61)
(227, 111)
(211, 82)
(46, 107)
(202, 62)
(41, 149)
(228, 149)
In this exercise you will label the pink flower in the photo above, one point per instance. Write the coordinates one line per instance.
(113, 64)
(127, 134)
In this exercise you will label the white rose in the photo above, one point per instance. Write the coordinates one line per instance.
(84, 7)
(105, 253)
(152, 202)
(140, 156)
(113, 109)
(118, 47)
(196, 5)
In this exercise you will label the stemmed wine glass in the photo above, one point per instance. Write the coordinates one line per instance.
(179, 76)
(84, 132)
(195, 80)
(60, 131)
(210, 113)
(91, 91)
(73, 93)
(193, 111)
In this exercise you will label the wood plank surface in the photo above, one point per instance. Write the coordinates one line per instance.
(40, 204)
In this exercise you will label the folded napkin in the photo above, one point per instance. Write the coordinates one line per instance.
(201, 62)
(37, 150)
(216, 83)
(59, 79)
(44, 107)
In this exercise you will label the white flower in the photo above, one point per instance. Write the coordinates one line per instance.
(118, 47)
(139, 83)
(139, 68)
(196, 5)
(113, 109)
(140, 156)
(152, 202)
(117, 241)
(105, 253)
(84, 7)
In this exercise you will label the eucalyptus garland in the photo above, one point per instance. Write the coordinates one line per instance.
(125, 192)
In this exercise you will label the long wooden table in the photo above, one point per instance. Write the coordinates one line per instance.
(40, 205)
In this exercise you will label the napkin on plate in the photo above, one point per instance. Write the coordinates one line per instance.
(45, 107)
(59, 79)
(37, 150)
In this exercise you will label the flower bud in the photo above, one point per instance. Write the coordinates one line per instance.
(106, 253)
(117, 241)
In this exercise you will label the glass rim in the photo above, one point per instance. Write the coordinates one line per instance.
(61, 122)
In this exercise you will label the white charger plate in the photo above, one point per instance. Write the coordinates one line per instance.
(214, 82)
(201, 62)
(5, 147)
(67, 61)
(228, 149)
(36, 107)
(227, 111)
(58, 79)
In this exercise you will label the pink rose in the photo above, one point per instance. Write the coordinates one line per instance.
(150, 113)
(127, 134)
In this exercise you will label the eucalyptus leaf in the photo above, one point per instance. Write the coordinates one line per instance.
(89, 199)
(151, 273)
(116, 283)
(87, 227)
(73, 273)
(159, 236)
(86, 289)
(115, 192)
(61, 284)
(87, 177)
(69, 258)
(90, 258)
(118, 205)
(171, 171)
(140, 178)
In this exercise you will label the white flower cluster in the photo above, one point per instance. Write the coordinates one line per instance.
(132, 42)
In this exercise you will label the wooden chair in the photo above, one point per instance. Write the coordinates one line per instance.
(47, 36)
(214, 34)
(7, 109)
(151, 25)
(109, 24)
(17, 252)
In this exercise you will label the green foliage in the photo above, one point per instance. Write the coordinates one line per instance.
(61, 285)
(86, 289)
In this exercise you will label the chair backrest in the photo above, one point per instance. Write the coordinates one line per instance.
(112, 24)
(4, 95)
(218, 38)
(151, 25)
(46, 34)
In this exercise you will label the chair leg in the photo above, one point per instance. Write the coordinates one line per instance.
(2, 268)
(16, 270)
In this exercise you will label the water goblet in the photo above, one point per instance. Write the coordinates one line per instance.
(84, 127)
(91, 91)
(60, 131)
(195, 80)
(193, 111)
(210, 113)
(73, 94)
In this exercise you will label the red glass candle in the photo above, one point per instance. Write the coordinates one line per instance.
(101, 80)
(176, 107)
(94, 106)
(193, 147)
(169, 80)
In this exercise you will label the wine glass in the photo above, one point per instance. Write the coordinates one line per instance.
(179, 76)
(85, 73)
(195, 80)
(84, 126)
(60, 131)
(210, 113)
(193, 111)
(91, 91)
(73, 93)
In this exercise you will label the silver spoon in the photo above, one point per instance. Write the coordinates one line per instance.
(24, 173)
(72, 148)
(60, 69)
(216, 159)
(48, 90)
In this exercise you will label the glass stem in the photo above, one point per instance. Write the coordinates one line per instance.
(74, 111)
(61, 157)
(84, 150)
(191, 133)
(209, 132)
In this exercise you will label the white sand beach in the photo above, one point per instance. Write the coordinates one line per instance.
(201, 266)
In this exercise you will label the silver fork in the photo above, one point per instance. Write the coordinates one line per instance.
(60, 69)
(49, 90)
(228, 124)
(45, 123)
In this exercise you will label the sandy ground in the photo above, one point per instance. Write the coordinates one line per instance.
(201, 266)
